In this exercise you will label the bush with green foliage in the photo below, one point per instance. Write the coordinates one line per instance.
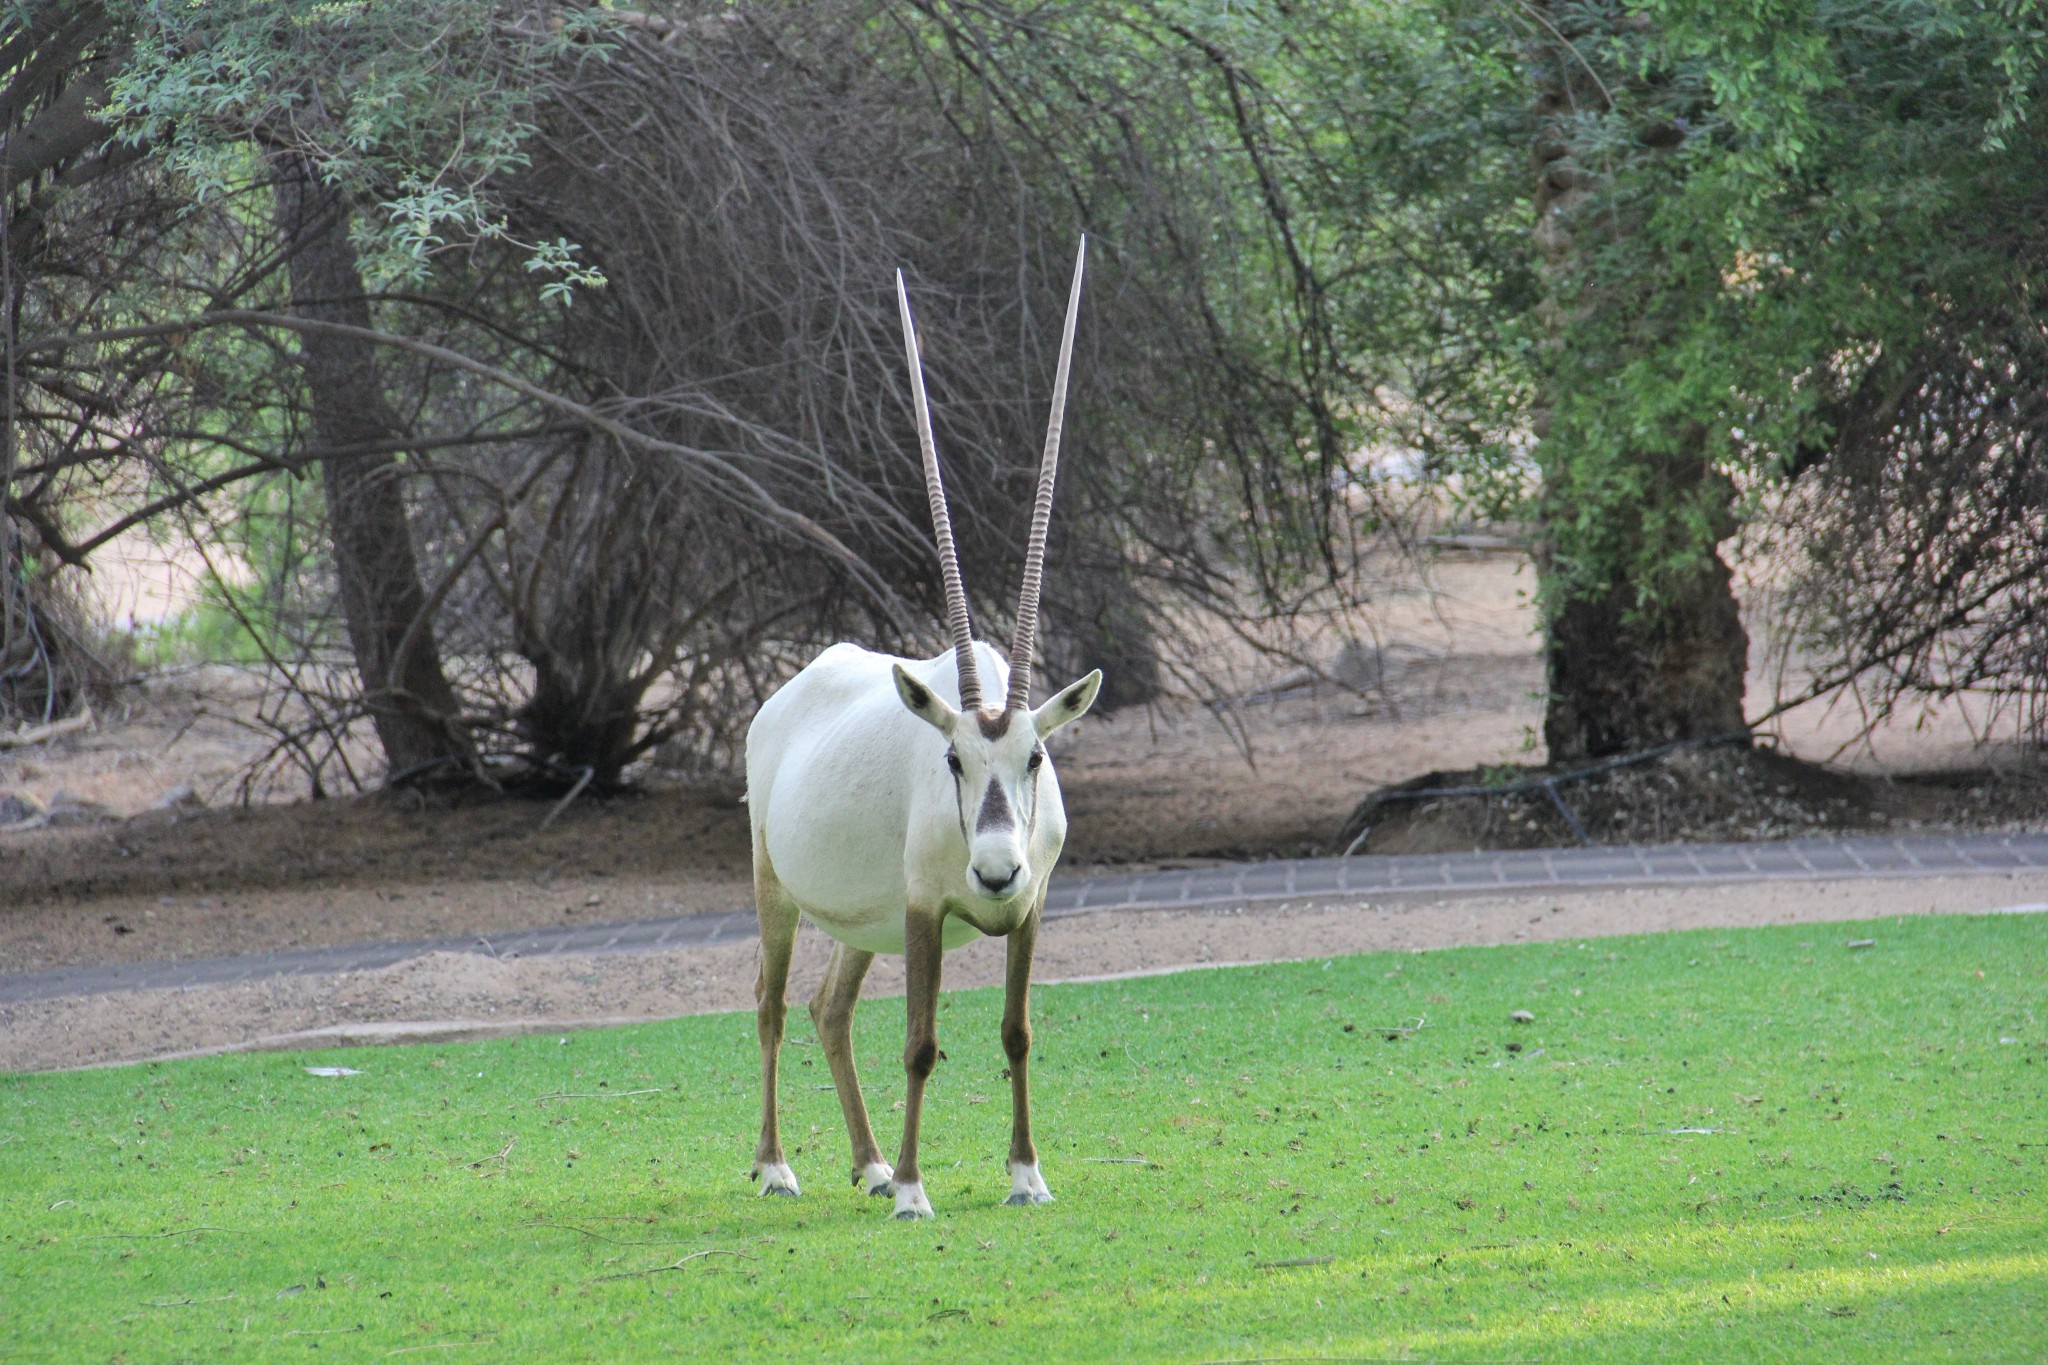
(1815, 240)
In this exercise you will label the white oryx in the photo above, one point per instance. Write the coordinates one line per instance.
(902, 817)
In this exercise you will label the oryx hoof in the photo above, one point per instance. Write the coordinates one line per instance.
(777, 1178)
(1027, 1186)
(911, 1203)
(878, 1178)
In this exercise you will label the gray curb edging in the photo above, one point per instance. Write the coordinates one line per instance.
(1308, 879)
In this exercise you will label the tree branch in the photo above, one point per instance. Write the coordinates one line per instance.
(762, 499)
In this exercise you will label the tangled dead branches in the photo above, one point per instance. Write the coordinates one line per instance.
(1923, 537)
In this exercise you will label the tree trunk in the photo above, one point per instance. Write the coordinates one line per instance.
(1644, 641)
(405, 692)
(46, 104)
(1624, 676)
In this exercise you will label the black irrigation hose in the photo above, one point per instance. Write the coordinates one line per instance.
(407, 774)
(1547, 785)
(578, 773)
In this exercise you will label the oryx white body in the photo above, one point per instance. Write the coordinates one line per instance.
(901, 815)
(853, 804)
(900, 822)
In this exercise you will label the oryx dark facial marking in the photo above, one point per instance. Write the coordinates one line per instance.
(995, 808)
(996, 851)
(954, 766)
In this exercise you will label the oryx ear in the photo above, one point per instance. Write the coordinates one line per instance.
(927, 705)
(1069, 703)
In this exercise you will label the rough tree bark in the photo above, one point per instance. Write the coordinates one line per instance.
(405, 692)
(1625, 674)
(1628, 665)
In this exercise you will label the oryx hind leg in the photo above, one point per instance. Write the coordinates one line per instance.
(778, 916)
(832, 1011)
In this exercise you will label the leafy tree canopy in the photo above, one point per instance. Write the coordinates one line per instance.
(423, 108)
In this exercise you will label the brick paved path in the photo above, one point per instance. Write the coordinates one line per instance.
(1319, 879)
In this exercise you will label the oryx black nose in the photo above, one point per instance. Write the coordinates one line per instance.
(996, 885)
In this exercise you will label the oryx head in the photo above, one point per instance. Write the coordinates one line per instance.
(996, 757)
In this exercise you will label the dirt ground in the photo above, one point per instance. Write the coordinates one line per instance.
(1718, 794)
(146, 853)
(447, 996)
(1167, 785)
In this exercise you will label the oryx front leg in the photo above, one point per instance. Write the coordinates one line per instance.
(778, 936)
(1027, 1186)
(832, 1012)
(923, 952)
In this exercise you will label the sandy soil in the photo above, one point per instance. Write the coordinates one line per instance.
(465, 995)
(1456, 685)
(1167, 785)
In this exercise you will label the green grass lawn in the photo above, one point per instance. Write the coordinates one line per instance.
(1247, 1165)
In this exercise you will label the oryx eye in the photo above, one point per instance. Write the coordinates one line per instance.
(953, 762)
(1037, 760)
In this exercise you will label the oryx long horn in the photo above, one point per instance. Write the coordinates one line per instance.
(1041, 510)
(942, 524)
